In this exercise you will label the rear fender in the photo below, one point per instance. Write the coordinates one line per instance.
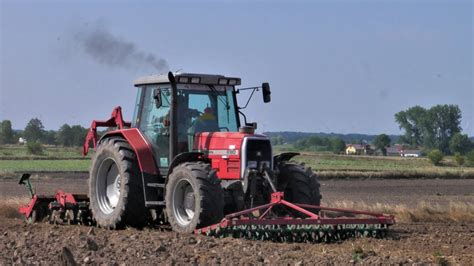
(139, 144)
(283, 157)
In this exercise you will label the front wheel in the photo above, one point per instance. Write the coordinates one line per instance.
(115, 186)
(194, 197)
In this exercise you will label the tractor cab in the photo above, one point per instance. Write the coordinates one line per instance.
(203, 103)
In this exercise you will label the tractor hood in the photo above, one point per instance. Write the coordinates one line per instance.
(209, 142)
(231, 152)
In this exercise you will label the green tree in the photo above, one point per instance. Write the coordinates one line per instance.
(413, 122)
(314, 141)
(435, 156)
(34, 130)
(381, 142)
(444, 123)
(49, 137)
(432, 128)
(78, 135)
(460, 143)
(301, 144)
(6, 132)
(337, 145)
(65, 136)
(277, 140)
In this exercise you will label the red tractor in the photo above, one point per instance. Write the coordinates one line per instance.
(187, 158)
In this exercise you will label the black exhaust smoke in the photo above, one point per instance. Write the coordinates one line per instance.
(110, 50)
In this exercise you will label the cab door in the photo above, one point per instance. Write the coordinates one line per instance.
(154, 122)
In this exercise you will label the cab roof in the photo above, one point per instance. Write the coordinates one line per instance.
(188, 78)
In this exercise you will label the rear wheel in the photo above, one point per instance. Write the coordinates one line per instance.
(194, 197)
(299, 184)
(115, 186)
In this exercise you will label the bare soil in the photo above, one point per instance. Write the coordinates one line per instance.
(407, 243)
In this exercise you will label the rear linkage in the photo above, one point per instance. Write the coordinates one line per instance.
(62, 208)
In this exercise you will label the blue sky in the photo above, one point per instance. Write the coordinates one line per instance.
(334, 66)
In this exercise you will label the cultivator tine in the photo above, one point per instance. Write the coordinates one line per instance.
(299, 233)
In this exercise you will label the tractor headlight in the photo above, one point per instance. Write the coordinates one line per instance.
(183, 79)
(195, 80)
(252, 164)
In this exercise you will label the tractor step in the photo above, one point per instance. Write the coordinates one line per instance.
(154, 203)
(155, 185)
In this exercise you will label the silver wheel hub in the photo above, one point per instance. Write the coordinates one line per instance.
(108, 184)
(183, 202)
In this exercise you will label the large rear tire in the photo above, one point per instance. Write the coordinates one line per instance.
(299, 183)
(194, 197)
(115, 186)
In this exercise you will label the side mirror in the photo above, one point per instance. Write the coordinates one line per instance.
(266, 92)
(157, 97)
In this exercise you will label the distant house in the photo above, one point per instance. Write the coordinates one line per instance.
(358, 149)
(394, 150)
(410, 153)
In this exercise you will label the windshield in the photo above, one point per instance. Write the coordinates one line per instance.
(206, 108)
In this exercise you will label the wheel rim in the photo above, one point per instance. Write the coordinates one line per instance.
(108, 186)
(183, 202)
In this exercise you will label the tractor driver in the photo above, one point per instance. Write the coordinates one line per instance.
(207, 122)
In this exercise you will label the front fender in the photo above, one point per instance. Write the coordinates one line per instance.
(140, 146)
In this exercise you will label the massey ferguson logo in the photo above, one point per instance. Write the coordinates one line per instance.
(223, 152)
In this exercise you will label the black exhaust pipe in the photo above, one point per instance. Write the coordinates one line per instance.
(173, 117)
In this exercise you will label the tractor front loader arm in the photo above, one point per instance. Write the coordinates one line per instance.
(115, 120)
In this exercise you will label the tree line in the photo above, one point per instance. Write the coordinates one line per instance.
(34, 132)
(314, 143)
(438, 127)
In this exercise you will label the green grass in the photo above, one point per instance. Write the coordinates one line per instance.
(14, 158)
(362, 163)
(8, 166)
(20, 152)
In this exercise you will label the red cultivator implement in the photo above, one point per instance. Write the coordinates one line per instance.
(58, 209)
(272, 224)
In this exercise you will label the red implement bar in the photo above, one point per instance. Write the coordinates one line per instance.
(115, 120)
(27, 209)
(246, 217)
